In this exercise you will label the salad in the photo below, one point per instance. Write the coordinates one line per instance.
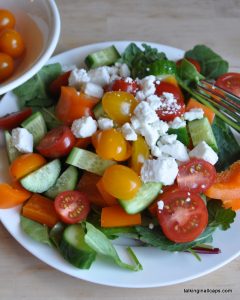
(122, 147)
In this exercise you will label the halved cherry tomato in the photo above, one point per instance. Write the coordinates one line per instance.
(11, 43)
(170, 109)
(196, 175)
(184, 216)
(15, 119)
(7, 19)
(26, 164)
(6, 66)
(119, 106)
(73, 105)
(55, 86)
(230, 82)
(121, 182)
(72, 206)
(193, 61)
(57, 142)
(124, 86)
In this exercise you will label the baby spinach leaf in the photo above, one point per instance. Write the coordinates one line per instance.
(188, 73)
(50, 117)
(212, 64)
(55, 234)
(130, 53)
(36, 231)
(98, 241)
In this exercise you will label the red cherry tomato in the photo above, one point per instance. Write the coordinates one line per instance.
(6, 66)
(230, 82)
(57, 142)
(124, 86)
(196, 175)
(184, 216)
(15, 119)
(7, 19)
(193, 61)
(72, 206)
(55, 86)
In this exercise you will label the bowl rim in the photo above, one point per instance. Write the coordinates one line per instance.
(53, 38)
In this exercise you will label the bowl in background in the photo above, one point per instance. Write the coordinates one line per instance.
(39, 24)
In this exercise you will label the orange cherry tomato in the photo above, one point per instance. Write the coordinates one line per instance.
(10, 196)
(11, 43)
(25, 164)
(7, 19)
(121, 182)
(119, 106)
(140, 152)
(73, 105)
(110, 144)
(6, 66)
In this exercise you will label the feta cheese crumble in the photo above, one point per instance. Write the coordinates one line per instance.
(205, 152)
(92, 89)
(128, 132)
(177, 150)
(22, 140)
(145, 113)
(194, 114)
(84, 127)
(160, 205)
(168, 138)
(177, 123)
(105, 123)
(99, 76)
(77, 78)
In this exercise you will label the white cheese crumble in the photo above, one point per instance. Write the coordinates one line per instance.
(22, 140)
(92, 89)
(77, 78)
(124, 70)
(128, 132)
(99, 76)
(177, 123)
(151, 226)
(162, 170)
(145, 113)
(125, 108)
(154, 101)
(205, 152)
(160, 205)
(84, 127)
(194, 114)
(148, 85)
(105, 123)
(176, 150)
(168, 138)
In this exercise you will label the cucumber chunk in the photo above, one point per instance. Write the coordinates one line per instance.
(66, 182)
(201, 130)
(74, 248)
(42, 179)
(104, 57)
(36, 125)
(88, 161)
(146, 194)
(99, 112)
(182, 134)
(12, 152)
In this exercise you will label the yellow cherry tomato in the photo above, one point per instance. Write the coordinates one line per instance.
(140, 152)
(119, 106)
(121, 182)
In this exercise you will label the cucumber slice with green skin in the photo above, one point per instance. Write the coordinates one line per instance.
(74, 248)
(201, 130)
(36, 125)
(99, 112)
(66, 182)
(145, 196)
(12, 152)
(42, 179)
(182, 134)
(104, 57)
(88, 161)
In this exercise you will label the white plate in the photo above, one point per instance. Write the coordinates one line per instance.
(160, 268)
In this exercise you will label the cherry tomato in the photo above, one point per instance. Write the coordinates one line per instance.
(11, 43)
(7, 19)
(73, 105)
(110, 144)
(15, 119)
(57, 142)
(121, 182)
(6, 66)
(170, 110)
(72, 206)
(140, 152)
(184, 216)
(55, 86)
(196, 175)
(119, 106)
(193, 61)
(230, 82)
(124, 86)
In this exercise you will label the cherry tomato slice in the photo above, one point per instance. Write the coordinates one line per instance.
(230, 82)
(11, 43)
(124, 85)
(15, 119)
(57, 142)
(7, 19)
(6, 66)
(170, 109)
(196, 175)
(72, 206)
(183, 217)
(193, 61)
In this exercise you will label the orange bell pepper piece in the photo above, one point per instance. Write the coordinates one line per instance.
(192, 103)
(115, 216)
(40, 209)
(11, 196)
